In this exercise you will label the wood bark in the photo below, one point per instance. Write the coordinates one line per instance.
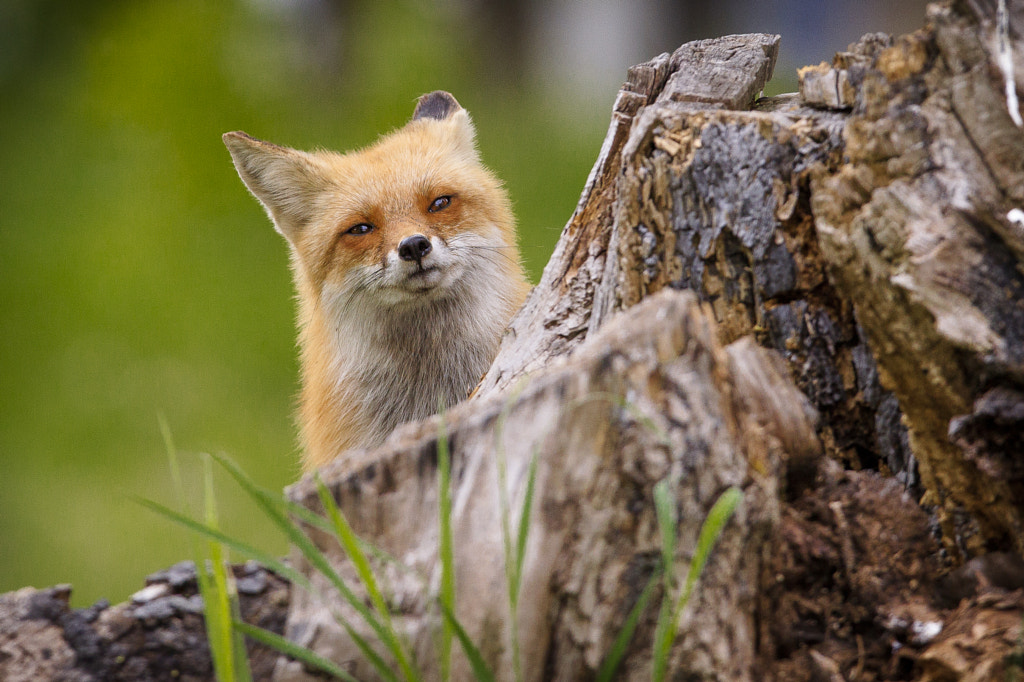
(817, 298)
(749, 205)
(919, 233)
(157, 635)
(652, 396)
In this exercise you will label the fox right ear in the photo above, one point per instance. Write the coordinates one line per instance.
(439, 105)
(442, 106)
(285, 181)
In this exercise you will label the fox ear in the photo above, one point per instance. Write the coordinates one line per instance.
(442, 106)
(285, 181)
(438, 105)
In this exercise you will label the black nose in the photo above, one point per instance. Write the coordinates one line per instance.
(414, 248)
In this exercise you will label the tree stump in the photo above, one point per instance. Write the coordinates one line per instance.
(652, 396)
(763, 211)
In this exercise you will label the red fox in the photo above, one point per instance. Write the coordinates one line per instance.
(405, 261)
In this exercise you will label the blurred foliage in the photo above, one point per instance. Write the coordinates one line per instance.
(138, 275)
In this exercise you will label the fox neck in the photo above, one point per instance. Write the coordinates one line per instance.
(367, 368)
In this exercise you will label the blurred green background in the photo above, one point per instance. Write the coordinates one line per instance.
(139, 278)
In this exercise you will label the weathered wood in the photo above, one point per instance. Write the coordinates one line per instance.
(556, 315)
(853, 571)
(832, 85)
(652, 396)
(918, 232)
(558, 311)
(724, 73)
(158, 635)
(718, 202)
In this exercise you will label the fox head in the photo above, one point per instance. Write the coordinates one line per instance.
(405, 260)
(407, 219)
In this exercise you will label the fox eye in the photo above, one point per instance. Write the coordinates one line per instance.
(360, 229)
(439, 204)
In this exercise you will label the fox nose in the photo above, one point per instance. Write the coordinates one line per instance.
(414, 248)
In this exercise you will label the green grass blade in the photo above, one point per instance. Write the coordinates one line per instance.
(710, 531)
(351, 545)
(618, 649)
(446, 550)
(299, 653)
(216, 599)
(213, 615)
(303, 514)
(227, 649)
(375, 659)
(271, 562)
(476, 660)
(274, 510)
(664, 633)
(305, 655)
(514, 563)
(231, 646)
(313, 519)
(172, 460)
(511, 564)
(513, 556)
(665, 509)
(238, 641)
(267, 560)
(179, 486)
(524, 518)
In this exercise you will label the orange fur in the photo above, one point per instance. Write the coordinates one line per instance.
(387, 334)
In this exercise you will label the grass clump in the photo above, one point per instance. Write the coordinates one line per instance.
(395, 661)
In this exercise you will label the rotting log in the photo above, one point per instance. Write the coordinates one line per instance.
(158, 635)
(713, 196)
(747, 204)
(920, 235)
(652, 396)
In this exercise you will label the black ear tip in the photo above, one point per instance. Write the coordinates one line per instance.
(437, 105)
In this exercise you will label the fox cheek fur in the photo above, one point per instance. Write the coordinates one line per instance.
(406, 267)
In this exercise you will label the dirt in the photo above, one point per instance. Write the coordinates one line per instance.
(858, 588)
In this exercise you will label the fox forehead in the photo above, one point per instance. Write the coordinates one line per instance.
(412, 165)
